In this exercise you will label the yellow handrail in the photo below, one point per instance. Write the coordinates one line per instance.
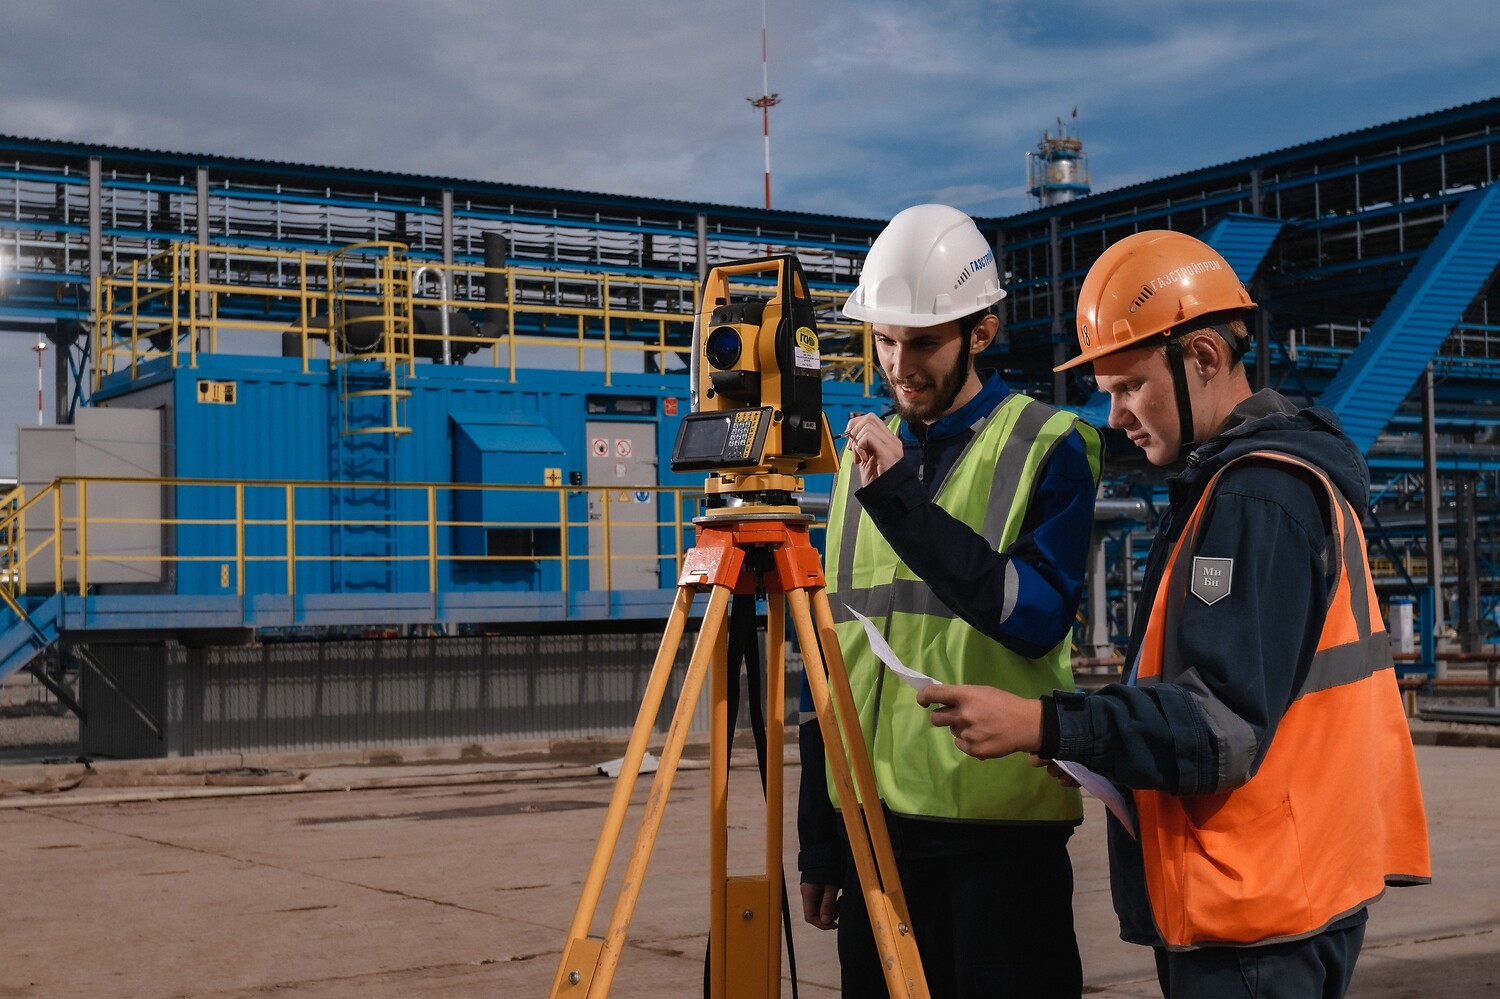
(219, 522)
(145, 309)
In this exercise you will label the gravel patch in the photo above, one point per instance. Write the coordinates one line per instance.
(37, 736)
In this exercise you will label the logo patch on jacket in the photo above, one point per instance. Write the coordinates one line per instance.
(1211, 578)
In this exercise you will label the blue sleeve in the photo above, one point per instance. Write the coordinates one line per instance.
(1246, 653)
(1024, 597)
(1051, 554)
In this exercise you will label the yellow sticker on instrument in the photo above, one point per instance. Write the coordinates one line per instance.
(805, 349)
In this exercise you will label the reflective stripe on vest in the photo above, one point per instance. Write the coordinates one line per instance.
(1333, 815)
(917, 768)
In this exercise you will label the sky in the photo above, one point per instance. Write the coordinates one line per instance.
(884, 104)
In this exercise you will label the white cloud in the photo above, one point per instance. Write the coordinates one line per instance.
(885, 103)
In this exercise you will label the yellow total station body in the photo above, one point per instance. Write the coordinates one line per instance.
(757, 380)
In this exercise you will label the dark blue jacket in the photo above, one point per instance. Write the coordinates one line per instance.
(1249, 654)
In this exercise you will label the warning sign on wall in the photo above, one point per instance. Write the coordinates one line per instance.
(599, 446)
(622, 447)
(220, 393)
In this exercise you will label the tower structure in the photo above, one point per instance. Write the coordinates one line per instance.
(1058, 170)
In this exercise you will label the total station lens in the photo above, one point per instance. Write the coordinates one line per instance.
(723, 348)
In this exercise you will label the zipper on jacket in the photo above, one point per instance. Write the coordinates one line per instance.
(919, 431)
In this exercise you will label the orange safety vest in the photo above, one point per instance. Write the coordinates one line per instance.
(1334, 813)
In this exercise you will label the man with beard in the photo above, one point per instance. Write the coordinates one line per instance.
(960, 527)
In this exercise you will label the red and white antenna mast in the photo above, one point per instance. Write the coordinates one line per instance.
(766, 101)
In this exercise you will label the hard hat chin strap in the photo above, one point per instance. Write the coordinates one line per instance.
(1178, 365)
(1177, 361)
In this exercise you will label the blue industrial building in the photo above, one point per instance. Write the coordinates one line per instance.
(339, 444)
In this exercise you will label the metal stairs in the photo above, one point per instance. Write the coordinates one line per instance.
(364, 514)
(1242, 240)
(1375, 379)
(26, 635)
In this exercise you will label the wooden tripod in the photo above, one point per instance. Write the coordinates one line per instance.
(744, 932)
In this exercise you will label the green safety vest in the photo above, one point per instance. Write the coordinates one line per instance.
(917, 768)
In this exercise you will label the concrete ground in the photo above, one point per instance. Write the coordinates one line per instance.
(256, 876)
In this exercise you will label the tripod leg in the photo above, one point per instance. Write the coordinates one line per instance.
(747, 909)
(863, 821)
(864, 776)
(588, 966)
(775, 767)
(744, 927)
(718, 811)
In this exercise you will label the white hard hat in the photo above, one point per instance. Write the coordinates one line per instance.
(928, 267)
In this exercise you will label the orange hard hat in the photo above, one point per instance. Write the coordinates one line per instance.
(1149, 284)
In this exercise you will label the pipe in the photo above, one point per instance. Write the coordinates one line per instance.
(204, 234)
(496, 250)
(1121, 508)
(1434, 505)
(1105, 508)
(416, 279)
(1059, 350)
(1458, 713)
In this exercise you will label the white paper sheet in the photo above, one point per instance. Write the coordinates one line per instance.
(1086, 778)
(1091, 782)
(1101, 789)
(888, 655)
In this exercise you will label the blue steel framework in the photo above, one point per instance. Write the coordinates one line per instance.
(1358, 214)
(1358, 210)
(62, 204)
